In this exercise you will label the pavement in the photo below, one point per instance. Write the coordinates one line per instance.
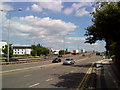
(107, 75)
(103, 75)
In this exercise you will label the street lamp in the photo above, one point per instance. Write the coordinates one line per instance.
(20, 9)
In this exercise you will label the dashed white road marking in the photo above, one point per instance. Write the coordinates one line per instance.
(33, 85)
(27, 75)
(71, 71)
(60, 75)
(49, 79)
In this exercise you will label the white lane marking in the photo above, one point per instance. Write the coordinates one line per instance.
(33, 85)
(71, 71)
(27, 75)
(49, 79)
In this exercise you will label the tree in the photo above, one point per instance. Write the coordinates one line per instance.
(45, 51)
(33, 52)
(106, 26)
(61, 52)
(5, 50)
(39, 50)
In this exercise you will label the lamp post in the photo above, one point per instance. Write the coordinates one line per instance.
(20, 9)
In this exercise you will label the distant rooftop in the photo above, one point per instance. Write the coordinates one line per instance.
(2, 40)
(22, 47)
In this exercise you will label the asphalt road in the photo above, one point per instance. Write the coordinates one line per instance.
(50, 76)
(39, 63)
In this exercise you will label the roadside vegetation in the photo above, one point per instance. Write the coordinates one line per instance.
(62, 52)
(38, 51)
(106, 26)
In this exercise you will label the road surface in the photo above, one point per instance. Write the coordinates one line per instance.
(47, 74)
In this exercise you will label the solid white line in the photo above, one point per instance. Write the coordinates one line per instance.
(27, 75)
(49, 79)
(71, 71)
(34, 85)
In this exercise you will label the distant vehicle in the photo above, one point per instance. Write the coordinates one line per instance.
(68, 61)
(97, 53)
(56, 60)
(75, 52)
(59, 55)
(11, 60)
(83, 54)
(46, 57)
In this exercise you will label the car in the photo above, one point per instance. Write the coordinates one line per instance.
(12, 59)
(56, 60)
(83, 54)
(46, 57)
(68, 61)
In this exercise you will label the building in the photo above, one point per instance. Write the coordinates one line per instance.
(55, 51)
(2, 45)
(66, 50)
(22, 50)
(82, 50)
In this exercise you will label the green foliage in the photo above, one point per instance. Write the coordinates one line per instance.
(5, 50)
(39, 50)
(106, 26)
(62, 52)
(33, 53)
(67, 52)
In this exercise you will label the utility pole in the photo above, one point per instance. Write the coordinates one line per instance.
(8, 42)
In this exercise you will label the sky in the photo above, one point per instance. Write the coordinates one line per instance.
(57, 25)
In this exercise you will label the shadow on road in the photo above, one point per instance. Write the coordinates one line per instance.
(83, 65)
(70, 80)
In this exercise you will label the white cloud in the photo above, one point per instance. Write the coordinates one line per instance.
(68, 11)
(95, 44)
(76, 6)
(17, 44)
(5, 8)
(47, 30)
(81, 12)
(27, 8)
(78, 9)
(76, 38)
(40, 28)
(53, 6)
(36, 8)
(94, 9)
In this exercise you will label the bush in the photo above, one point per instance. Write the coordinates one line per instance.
(33, 53)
